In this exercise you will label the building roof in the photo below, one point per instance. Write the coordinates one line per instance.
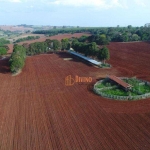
(119, 81)
(85, 58)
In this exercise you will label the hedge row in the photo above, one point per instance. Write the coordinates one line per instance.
(17, 59)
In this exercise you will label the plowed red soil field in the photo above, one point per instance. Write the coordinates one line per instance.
(38, 112)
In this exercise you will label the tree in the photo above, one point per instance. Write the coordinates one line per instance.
(125, 37)
(75, 44)
(17, 59)
(65, 43)
(83, 38)
(129, 27)
(3, 51)
(135, 37)
(37, 48)
(56, 45)
(103, 54)
(4, 41)
(92, 48)
(99, 39)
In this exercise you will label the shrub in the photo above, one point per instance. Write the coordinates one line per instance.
(3, 51)
(17, 59)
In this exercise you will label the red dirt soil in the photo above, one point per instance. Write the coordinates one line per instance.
(37, 110)
(15, 28)
(57, 37)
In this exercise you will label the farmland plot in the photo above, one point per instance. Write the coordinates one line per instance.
(38, 111)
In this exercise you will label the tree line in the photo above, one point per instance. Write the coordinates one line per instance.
(113, 34)
(17, 59)
(84, 45)
(3, 51)
(27, 38)
(3, 46)
(47, 46)
(91, 50)
(4, 42)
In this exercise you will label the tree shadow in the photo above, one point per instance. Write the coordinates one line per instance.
(91, 85)
(4, 66)
(147, 42)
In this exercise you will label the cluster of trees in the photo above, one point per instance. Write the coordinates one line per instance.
(100, 39)
(85, 47)
(83, 38)
(91, 49)
(27, 38)
(4, 41)
(112, 34)
(37, 48)
(53, 44)
(103, 54)
(17, 59)
(88, 49)
(47, 46)
(65, 44)
(61, 31)
(3, 51)
(3, 47)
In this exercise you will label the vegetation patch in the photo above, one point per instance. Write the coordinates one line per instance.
(27, 39)
(4, 41)
(3, 51)
(17, 59)
(106, 65)
(108, 88)
(104, 35)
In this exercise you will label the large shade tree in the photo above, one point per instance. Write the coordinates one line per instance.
(3, 51)
(65, 44)
(103, 54)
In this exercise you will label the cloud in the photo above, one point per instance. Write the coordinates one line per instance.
(89, 3)
(15, 1)
(142, 3)
(92, 4)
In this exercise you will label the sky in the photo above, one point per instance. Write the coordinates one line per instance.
(84, 13)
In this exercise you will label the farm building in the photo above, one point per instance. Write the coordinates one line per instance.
(125, 85)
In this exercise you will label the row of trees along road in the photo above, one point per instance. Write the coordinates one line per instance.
(17, 59)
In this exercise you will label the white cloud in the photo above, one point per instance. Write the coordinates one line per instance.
(141, 2)
(102, 4)
(12, 1)
(15, 1)
(90, 3)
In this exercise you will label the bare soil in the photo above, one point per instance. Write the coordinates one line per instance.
(38, 111)
(14, 28)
